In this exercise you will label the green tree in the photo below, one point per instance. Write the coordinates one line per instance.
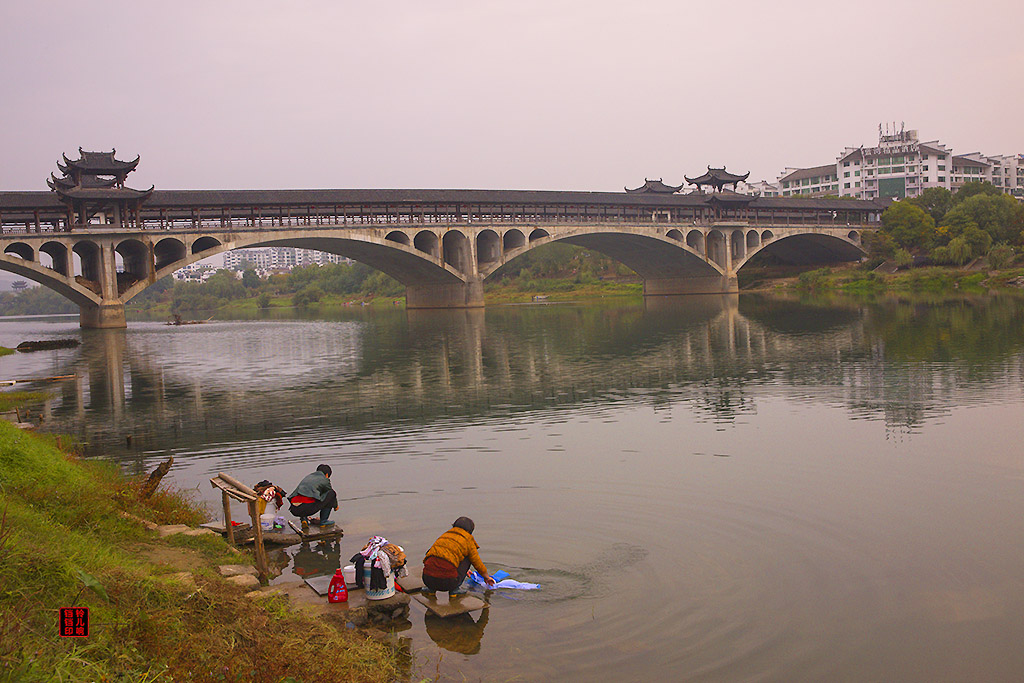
(224, 285)
(263, 300)
(977, 239)
(973, 188)
(936, 201)
(1001, 216)
(909, 225)
(959, 251)
(250, 280)
(940, 256)
(903, 258)
(307, 295)
(880, 246)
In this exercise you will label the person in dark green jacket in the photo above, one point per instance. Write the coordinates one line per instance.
(314, 494)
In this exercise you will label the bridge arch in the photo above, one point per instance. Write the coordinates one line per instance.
(21, 250)
(64, 285)
(488, 247)
(205, 243)
(716, 248)
(426, 241)
(455, 246)
(168, 251)
(88, 253)
(649, 256)
(398, 236)
(674, 235)
(58, 254)
(539, 233)
(811, 248)
(512, 239)
(135, 257)
(695, 240)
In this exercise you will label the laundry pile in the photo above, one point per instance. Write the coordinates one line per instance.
(385, 559)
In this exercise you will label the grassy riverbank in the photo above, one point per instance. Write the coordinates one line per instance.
(65, 541)
(854, 280)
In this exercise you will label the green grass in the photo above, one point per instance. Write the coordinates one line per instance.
(520, 290)
(64, 542)
(930, 279)
(4, 351)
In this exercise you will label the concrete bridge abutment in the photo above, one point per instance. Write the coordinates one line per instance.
(713, 284)
(458, 295)
(104, 316)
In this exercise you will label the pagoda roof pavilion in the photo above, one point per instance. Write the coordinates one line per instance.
(94, 184)
(655, 186)
(717, 178)
(99, 163)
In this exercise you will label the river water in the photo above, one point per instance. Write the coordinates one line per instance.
(720, 488)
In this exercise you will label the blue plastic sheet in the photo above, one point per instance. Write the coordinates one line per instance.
(501, 580)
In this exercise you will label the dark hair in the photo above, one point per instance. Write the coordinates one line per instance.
(464, 523)
(326, 469)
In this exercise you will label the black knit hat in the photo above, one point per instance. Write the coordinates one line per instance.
(464, 523)
(326, 469)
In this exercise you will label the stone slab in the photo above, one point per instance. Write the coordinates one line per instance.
(171, 529)
(198, 532)
(455, 604)
(413, 582)
(320, 584)
(244, 580)
(237, 570)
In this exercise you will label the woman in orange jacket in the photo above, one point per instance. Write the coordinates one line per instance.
(447, 562)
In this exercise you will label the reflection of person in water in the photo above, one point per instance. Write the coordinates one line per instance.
(459, 633)
(324, 558)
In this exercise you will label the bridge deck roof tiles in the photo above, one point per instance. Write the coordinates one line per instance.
(184, 199)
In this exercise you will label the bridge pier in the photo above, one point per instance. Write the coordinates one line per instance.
(105, 316)
(459, 295)
(713, 284)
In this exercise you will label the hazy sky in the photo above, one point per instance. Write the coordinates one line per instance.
(552, 94)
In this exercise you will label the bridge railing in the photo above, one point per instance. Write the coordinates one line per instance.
(255, 218)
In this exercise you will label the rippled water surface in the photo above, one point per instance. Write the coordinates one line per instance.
(707, 489)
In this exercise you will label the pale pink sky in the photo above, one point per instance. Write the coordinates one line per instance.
(588, 95)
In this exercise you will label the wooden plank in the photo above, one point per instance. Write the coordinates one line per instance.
(237, 484)
(218, 483)
(239, 529)
(331, 532)
(456, 604)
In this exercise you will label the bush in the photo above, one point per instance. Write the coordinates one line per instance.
(309, 294)
(1000, 256)
(903, 258)
(263, 300)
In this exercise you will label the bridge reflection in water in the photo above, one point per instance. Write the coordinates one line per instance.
(229, 382)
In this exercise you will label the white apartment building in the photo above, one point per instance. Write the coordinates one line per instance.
(279, 258)
(900, 165)
(815, 181)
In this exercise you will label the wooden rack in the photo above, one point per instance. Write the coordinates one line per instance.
(232, 488)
